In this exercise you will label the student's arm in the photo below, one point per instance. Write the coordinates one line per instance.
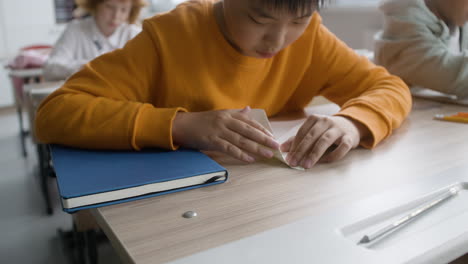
(62, 63)
(367, 94)
(107, 104)
(372, 101)
(412, 52)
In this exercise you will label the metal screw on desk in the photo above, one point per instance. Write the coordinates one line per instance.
(189, 214)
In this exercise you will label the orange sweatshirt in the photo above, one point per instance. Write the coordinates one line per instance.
(181, 62)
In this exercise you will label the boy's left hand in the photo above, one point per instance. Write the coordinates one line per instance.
(319, 134)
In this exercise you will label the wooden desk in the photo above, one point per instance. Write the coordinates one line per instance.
(27, 73)
(264, 196)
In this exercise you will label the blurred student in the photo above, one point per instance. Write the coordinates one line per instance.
(110, 26)
(426, 43)
(189, 78)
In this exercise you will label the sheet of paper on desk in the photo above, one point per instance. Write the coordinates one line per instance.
(260, 116)
(437, 96)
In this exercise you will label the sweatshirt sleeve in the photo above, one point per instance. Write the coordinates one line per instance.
(412, 51)
(366, 93)
(61, 63)
(108, 104)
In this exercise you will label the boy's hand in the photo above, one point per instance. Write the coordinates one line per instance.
(228, 131)
(319, 134)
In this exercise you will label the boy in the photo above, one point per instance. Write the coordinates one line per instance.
(167, 86)
(425, 42)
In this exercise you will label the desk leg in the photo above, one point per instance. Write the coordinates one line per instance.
(23, 133)
(45, 171)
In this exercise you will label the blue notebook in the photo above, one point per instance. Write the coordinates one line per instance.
(89, 178)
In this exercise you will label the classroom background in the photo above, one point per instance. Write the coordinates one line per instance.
(28, 233)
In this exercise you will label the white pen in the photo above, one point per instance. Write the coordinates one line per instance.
(369, 238)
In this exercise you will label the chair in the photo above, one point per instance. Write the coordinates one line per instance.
(33, 95)
(81, 242)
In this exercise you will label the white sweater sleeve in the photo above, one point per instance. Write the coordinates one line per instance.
(62, 63)
(411, 49)
(134, 30)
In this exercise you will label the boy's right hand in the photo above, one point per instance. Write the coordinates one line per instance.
(228, 131)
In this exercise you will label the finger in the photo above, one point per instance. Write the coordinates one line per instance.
(246, 144)
(340, 151)
(232, 150)
(307, 142)
(287, 145)
(320, 147)
(252, 133)
(255, 124)
(302, 132)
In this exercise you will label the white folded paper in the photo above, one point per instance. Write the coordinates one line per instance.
(260, 116)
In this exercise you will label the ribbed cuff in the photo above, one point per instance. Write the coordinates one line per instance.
(153, 127)
(373, 121)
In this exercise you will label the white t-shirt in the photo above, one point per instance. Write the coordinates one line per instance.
(81, 42)
(454, 43)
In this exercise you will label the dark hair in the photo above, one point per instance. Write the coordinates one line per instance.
(293, 6)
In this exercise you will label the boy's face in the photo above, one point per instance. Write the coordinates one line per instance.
(455, 11)
(259, 31)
